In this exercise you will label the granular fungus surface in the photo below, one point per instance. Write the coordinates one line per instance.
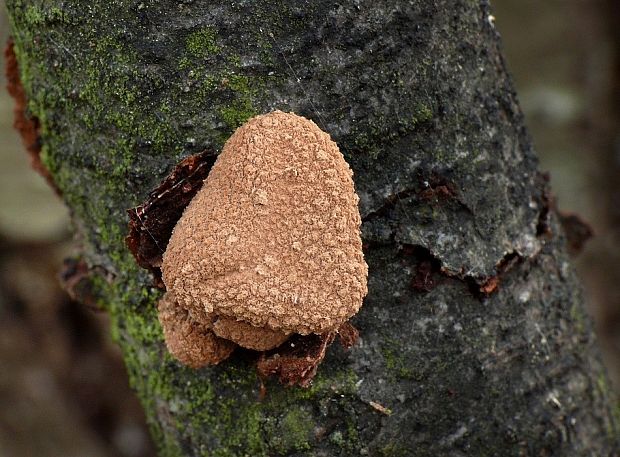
(270, 246)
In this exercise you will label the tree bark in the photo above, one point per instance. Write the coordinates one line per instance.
(474, 339)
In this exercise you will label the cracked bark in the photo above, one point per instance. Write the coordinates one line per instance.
(417, 96)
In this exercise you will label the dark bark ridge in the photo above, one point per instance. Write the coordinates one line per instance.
(418, 99)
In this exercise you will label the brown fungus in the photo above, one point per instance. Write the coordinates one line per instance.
(269, 247)
(188, 340)
(248, 336)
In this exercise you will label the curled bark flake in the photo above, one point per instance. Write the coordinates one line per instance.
(428, 272)
(490, 285)
(296, 361)
(430, 187)
(151, 223)
(76, 277)
(27, 126)
(543, 227)
(348, 335)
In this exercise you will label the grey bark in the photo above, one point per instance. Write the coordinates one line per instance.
(417, 96)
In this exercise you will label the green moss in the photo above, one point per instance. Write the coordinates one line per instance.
(222, 87)
(241, 108)
(578, 317)
(202, 42)
(372, 138)
(237, 113)
(56, 13)
(394, 450)
(38, 15)
(346, 440)
(290, 433)
(342, 382)
(605, 392)
(34, 16)
(423, 113)
(396, 363)
(353, 439)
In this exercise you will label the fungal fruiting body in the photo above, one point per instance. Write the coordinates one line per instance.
(269, 247)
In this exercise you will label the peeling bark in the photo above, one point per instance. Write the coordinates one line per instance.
(28, 127)
(418, 99)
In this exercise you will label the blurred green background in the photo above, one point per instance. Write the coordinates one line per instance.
(63, 389)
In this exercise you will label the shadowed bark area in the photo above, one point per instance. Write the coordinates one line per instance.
(473, 338)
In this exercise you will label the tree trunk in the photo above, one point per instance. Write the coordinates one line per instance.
(474, 339)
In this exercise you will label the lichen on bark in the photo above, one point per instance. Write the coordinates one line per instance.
(417, 97)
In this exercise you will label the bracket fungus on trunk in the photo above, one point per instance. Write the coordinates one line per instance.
(269, 247)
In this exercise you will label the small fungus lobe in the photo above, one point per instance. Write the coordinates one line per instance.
(190, 341)
(269, 247)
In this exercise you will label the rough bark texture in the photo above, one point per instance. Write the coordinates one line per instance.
(416, 95)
